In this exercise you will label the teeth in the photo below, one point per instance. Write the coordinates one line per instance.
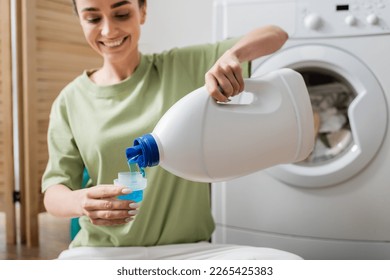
(114, 43)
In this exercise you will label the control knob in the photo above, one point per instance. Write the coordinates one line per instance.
(351, 20)
(372, 19)
(313, 21)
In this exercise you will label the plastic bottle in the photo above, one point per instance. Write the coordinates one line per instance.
(201, 140)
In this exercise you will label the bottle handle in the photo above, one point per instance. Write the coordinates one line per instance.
(260, 95)
(270, 89)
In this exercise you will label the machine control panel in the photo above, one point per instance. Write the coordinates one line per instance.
(335, 18)
(303, 18)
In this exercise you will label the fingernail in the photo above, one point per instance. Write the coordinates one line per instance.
(129, 219)
(126, 191)
(133, 212)
(134, 205)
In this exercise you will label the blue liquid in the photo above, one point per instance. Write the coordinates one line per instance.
(135, 196)
(133, 166)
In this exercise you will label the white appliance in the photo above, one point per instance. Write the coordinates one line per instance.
(336, 203)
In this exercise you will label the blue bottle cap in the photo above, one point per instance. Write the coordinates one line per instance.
(144, 151)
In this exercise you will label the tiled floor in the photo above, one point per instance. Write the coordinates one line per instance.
(54, 238)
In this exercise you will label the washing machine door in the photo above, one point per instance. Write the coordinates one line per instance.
(349, 106)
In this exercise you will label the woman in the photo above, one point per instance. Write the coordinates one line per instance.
(98, 115)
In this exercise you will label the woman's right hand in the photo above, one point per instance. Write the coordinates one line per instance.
(101, 205)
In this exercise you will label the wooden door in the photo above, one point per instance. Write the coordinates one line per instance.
(6, 124)
(54, 52)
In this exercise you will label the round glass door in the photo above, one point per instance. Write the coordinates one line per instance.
(349, 110)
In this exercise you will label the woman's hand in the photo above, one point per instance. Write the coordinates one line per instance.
(101, 205)
(224, 79)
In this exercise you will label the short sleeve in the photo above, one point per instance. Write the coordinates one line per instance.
(65, 165)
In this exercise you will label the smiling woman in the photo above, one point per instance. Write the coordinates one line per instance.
(96, 116)
(112, 29)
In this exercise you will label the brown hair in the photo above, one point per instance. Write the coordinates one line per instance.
(140, 3)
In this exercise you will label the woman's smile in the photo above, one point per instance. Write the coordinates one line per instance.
(114, 43)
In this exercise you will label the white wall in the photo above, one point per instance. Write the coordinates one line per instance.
(175, 23)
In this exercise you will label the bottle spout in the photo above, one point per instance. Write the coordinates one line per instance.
(144, 151)
(135, 156)
(133, 153)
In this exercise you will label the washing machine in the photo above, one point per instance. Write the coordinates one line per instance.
(336, 203)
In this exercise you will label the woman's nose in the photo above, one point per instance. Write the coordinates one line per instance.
(108, 28)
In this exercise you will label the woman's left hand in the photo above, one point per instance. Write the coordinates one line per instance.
(225, 79)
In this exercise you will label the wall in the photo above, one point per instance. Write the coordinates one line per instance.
(173, 23)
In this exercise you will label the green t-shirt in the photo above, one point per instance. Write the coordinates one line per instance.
(92, 125)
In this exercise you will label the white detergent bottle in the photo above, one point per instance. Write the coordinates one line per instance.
(202, 140)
